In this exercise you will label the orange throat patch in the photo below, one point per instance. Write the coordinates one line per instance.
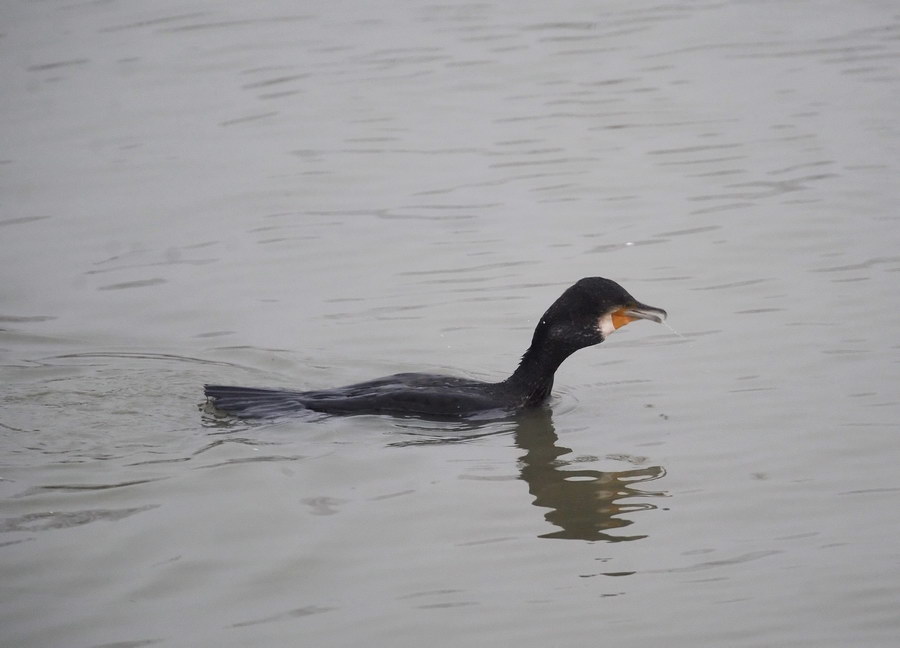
(620, 319)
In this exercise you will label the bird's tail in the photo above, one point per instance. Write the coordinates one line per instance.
(251, 401)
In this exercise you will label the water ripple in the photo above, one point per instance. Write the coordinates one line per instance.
(65, 520)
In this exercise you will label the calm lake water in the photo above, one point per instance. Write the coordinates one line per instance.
(309, 194)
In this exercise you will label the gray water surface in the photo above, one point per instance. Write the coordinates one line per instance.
(310, 194)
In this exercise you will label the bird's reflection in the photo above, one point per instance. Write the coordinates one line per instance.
(584, 504)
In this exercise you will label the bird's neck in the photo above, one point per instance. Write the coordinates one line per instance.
(533, 378)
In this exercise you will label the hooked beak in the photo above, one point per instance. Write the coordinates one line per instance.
(636, 311)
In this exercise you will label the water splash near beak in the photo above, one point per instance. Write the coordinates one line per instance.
(669, 326)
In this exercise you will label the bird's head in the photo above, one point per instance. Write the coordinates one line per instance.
(591, 310)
